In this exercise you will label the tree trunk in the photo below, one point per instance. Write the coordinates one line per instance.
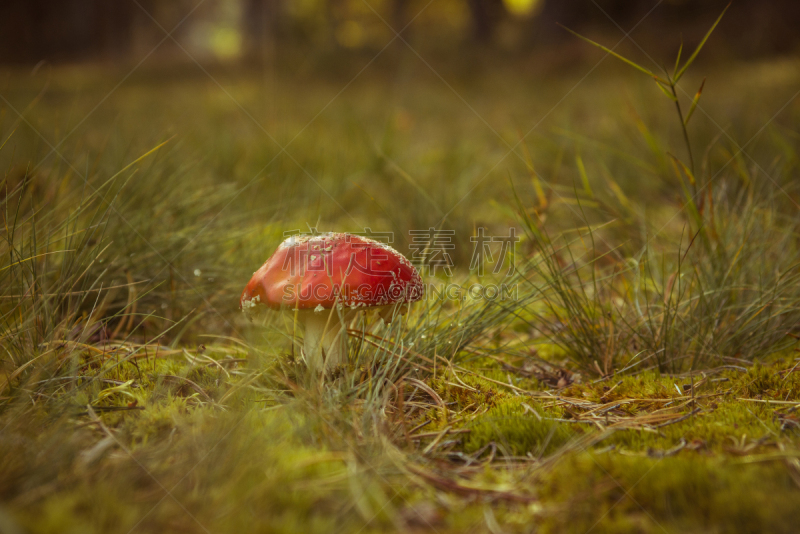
(261, 25)
(400, 15)
(485, 15)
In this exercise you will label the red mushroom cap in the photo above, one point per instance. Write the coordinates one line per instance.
(329, 269)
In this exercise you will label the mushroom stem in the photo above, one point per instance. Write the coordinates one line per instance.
(324, 345)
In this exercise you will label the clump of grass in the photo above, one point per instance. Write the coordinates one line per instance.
(680, 305)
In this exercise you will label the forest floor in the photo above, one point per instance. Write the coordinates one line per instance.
(642, 374)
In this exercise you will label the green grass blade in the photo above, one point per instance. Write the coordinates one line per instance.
(694, 103)
(666, 92)
(686, 170)
(678, 59)
(621, 58)
(539, 237)
(537, 183)
(700, 46)
(584, 176)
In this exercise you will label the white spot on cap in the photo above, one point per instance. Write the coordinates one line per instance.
(319, 308)
(246, 304)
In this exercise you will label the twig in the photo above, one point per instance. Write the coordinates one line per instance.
(434, 434)
(679, 419)
(768, 401)
(436, 441)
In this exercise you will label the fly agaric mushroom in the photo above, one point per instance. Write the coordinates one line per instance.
(325, 279)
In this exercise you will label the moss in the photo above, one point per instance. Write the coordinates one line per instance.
(730, 427)
(650, 384)
(156, 422)
(468, 391)
(515, 430)
(688, 493)
(762, 381)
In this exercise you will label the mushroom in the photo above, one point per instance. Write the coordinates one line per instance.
(325, 279)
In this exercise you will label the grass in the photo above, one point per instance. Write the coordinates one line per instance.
(643, 379)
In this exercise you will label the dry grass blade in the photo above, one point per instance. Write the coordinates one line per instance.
(695, 100)
(448, 484)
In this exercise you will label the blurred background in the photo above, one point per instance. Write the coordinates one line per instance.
(80, 30)
(215, 126)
